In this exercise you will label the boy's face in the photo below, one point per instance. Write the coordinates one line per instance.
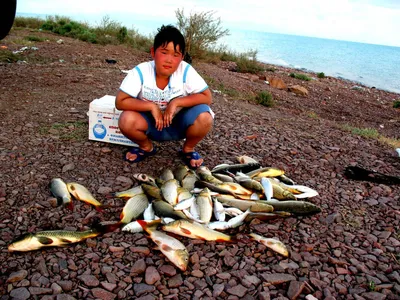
(167, 59)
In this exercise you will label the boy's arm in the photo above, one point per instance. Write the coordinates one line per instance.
(203, 97)
(125, 101)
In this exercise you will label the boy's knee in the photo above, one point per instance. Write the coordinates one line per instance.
(204, 119)
(128, 120)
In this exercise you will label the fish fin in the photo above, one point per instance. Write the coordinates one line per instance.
(70, 206)
(224, 240)
(165, 247)
(185, 231)
(200, 238)
(65, 241)
(45, 240)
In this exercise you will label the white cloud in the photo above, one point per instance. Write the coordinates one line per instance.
(370, 21)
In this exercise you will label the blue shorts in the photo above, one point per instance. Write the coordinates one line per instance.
(180, 123)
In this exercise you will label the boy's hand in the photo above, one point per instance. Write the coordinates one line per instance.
(158, 117)
(169, 113)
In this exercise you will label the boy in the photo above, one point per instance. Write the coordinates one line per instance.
(165, 99)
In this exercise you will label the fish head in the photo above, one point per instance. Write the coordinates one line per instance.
(25, 242)
(181, 259)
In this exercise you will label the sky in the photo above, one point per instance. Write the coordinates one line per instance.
(366, 21)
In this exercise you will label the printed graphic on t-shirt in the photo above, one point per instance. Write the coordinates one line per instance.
(161, 97)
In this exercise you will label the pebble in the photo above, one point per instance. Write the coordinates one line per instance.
(17, 276)
(142, 288)
(152, 275)
(238, 290)
(175, 281)
(102, 294)
(89, 280)
(20, 293)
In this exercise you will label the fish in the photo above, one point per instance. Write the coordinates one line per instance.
(172, 248)
(184, 204)
(233, 211)
(180, 172)
(295, 207)
(272, 244)
(129, 193)
(59, 190)
(189, 180)
(265, 172)
(82, 193)
(263, 216)
(148, 214)
(166, 175)
(152, 191)
(205, 174)
(53, 238)
(205, 205)
(219, 210)
(236, 167)
(238, 220)
(244, 159)
(268, 190)
(195, 230)
(257, 205)
(133, 227)
(144, 178)
(169, 191)
(285, 180)
(218, 225)
(223, 177)
(213, 187)
(280, 193)
(133, 208)
(251, 184)
(164, 210)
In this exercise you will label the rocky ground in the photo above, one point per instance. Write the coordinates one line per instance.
(348, 251)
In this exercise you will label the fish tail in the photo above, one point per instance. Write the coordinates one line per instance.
(106, 228)
(149, 226)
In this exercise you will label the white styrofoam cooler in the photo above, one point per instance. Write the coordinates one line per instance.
(103, 122)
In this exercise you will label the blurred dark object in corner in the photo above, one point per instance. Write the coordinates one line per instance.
(358, 173)
(7, 16)
(111, 61)
(187, 58)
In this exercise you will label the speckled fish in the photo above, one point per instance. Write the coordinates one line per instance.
(59, 190)
(205, 205)
(82, 193)
(173, 249)
(195, 231)
(144, 178)
(272, 244)
(133, 208)
(52, 238)
(169, 191)
(129, 193)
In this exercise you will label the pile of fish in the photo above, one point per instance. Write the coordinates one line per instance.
(195, 204)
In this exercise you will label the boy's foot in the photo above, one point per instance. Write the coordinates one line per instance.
(191, 159)
(135, 154)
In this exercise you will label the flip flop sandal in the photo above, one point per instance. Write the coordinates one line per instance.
(187, 157)
(140, 154)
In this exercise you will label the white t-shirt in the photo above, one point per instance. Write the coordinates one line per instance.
(141, 83)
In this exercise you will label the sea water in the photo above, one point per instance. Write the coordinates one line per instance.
(368, 64)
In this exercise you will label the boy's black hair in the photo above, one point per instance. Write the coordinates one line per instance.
(167, 34)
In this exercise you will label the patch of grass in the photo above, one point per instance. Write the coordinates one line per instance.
(321, 75)
(372, 133)
(396, 104)
(247, 63)
(9, 57)
(313, 115)
(68, 131)
(33, 38)
(265, 98)
(228, 91)
(365, 132)
(28, 22)
(300, 76)
(371, 286)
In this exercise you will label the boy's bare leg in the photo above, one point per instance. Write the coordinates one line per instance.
(195, 133)
(134, 127)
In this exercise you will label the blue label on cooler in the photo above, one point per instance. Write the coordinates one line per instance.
(99, 131)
